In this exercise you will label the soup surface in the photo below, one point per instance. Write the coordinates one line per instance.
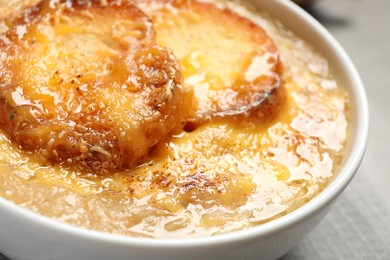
(214, 177)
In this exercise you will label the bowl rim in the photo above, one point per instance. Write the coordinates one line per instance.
(346, 173)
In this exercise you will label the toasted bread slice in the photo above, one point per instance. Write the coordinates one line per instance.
(84, 83)
(230, 62)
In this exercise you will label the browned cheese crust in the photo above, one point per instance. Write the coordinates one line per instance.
(83, 83)
(229, 63)
(10, 8)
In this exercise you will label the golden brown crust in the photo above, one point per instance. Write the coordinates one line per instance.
(83, 83)
(190, 183)
(11, 8)
(229, 62)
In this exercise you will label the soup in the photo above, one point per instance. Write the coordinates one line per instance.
(217, 176)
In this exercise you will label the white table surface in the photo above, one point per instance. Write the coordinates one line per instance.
(358, 227)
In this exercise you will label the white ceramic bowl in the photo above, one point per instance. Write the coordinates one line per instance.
(25, 235)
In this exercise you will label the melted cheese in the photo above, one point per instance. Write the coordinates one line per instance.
(226, 175)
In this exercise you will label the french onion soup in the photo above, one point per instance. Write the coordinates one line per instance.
(163, 118)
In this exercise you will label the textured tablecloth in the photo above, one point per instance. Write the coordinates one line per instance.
(358, 226)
